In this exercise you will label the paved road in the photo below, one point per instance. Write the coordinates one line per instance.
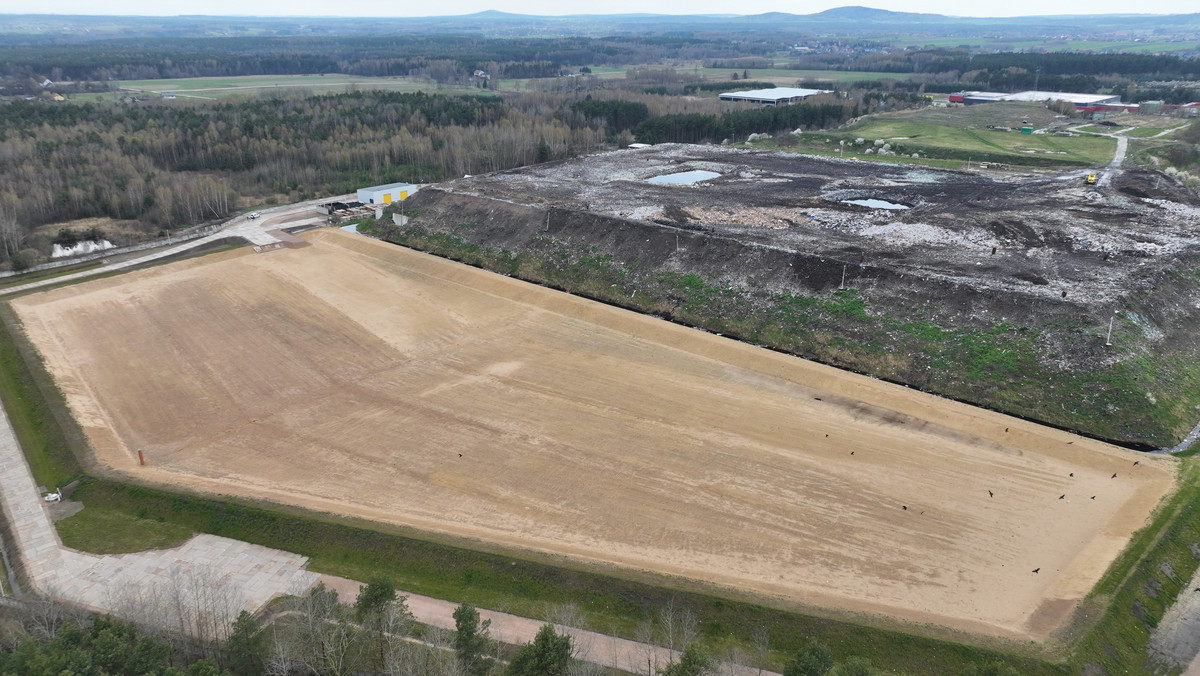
(262, 232)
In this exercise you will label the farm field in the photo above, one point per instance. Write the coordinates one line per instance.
(364, 379)
(227, 86)
(1144, 47)
(787, 77)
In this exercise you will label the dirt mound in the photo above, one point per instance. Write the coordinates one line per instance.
(955, 250)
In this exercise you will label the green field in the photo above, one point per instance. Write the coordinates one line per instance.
(1139, 47)
(962, 134)
(216, 87)
(791, 75)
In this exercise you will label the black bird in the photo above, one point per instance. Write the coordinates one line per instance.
(826, 435)
(1036, 569)
(1063, 496)
(818, 399)
(1135, 462)
(1070, 442)
(1093, 497)
(905, 508)
(1005, 429)
(1114, 475)
(1071, 474)
(460, 455)
(851, 452)
(991, 494)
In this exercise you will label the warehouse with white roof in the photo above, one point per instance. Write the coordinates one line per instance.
(780, 96)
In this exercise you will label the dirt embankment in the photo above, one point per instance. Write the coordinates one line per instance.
(981, 283)
(375, 382)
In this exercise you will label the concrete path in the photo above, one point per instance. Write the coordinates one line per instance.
(590, 646)
(250, 574)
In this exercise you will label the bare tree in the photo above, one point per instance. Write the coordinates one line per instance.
(317, 636)
(12, 235)
(644, 634)
(677, 626)
(41, 616)
(193, 609)
(760, 638)
(569, 620)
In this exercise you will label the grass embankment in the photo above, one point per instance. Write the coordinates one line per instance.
(1000, 367)
(1142, 584)
(533, 588)
(39, 275)
(102, 530)
(30, 399)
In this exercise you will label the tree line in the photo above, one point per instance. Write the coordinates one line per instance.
(173, 165)
(316, 634)
(167, 165)
(143, 59)
(699, 128)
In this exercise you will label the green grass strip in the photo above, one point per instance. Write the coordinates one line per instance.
(28, 395)
(101, 530)
(531, 588)
(1144, 581)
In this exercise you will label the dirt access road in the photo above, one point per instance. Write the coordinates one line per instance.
(362, 378)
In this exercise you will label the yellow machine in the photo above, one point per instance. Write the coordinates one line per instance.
(1091, 179)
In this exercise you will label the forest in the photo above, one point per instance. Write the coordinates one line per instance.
(184, 163)
(443, 58)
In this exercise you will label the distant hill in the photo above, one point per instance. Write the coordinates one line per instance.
(849, 21)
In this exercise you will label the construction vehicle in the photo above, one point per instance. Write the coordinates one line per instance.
(1091, 179)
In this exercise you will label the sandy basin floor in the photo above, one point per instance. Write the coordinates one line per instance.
(350, 375)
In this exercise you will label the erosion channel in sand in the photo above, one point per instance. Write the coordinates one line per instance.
(365, 379)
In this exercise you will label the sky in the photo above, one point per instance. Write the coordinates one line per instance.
(391, 8)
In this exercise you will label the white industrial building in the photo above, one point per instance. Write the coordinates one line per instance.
(386, 194)
(1080, 101)
(780, 96)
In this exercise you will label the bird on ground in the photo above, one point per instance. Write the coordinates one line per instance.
(905, 508)
(1114, 475)
(991, 494)
(851, 452)
(1093, 497)
(1036, 569)
(1071, 474)
(1070, 442)
(460, 455)
(1063, 496)
(1005, 429)
(1135, 462)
